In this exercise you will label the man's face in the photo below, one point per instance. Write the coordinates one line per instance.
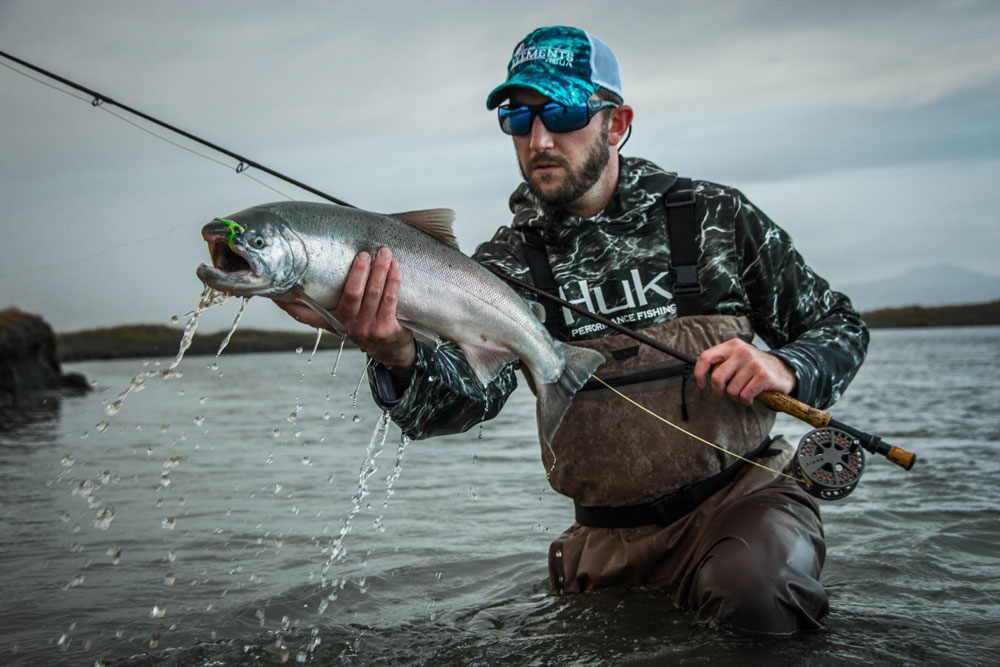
(560, 167)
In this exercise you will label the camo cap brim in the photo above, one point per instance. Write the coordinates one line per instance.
(565, 64)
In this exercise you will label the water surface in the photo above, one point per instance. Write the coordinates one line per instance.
(193, 527)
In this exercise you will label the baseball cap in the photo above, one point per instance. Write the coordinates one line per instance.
(565, 64)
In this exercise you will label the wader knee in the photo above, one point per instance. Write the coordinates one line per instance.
(734, 588)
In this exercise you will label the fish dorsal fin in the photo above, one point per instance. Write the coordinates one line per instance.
(435, 221)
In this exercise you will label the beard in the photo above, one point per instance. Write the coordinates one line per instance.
(577, 181)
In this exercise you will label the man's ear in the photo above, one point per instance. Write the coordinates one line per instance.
(621, 119)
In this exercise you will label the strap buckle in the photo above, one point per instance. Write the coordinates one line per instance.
(680, 197)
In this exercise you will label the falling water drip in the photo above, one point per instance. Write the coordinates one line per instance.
(236, 322)
(354, 396)
(319, 334)
(340, 352)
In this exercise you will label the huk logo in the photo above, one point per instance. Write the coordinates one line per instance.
(552, 55)
(633, 299)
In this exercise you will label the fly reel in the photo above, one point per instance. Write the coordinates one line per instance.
(829, 463)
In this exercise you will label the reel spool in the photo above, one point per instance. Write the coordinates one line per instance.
(829, 463)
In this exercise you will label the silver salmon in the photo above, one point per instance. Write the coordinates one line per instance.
(300, 251)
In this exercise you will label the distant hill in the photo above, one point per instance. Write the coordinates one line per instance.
(939, 285)
(934, 316)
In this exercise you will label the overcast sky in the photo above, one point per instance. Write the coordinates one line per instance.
(869, 130)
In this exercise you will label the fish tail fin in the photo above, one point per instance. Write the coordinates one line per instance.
(554, 398)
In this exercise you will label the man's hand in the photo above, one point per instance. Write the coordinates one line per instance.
(367, 309)
(741, 371)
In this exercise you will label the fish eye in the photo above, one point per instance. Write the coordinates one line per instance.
(258, 242)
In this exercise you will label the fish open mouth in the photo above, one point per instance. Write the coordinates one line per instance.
(226, 260)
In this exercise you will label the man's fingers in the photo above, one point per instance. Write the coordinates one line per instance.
(375, 285)
(354, 288)
(385, 318)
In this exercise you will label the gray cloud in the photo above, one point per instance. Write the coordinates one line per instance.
(834, 117)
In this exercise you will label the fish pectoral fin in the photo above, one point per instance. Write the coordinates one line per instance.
(538, 310)
(436, 221)
(486, 362)
(421, 332)
(306, 300)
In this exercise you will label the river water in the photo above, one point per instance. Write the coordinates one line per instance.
(195, 526)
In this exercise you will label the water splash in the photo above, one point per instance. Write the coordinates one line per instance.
(209, 298)
(232, 330)
(368, 468)
(390, 481)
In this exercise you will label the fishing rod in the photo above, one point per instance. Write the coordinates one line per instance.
(829, 460)
(244, 162)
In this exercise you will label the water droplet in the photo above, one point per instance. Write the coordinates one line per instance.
(199, 420)
(202, 400)
(164, 428)
(112, 409)
(357, 418)
(326, 416)
(298, 350)
(169, 523)
(558, 553)
(76, 581)
(75, 548)
(115, 553)
(277, 432)
(438, 574)
(68, 461)
(102, 426)
(169, 578)
(277, 488)
(431, 379)
(343, 416)
(175, 319)
(307, 461)
(158, 611)
(172, 462)
(171, 556)
(293, 417)
(105, 516)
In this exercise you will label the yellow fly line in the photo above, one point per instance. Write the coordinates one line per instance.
(696, 437)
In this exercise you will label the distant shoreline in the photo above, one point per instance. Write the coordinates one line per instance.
(131, 341)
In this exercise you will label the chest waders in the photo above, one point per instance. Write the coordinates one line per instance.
(620, 467)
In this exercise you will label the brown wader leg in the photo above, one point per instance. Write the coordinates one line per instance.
(761, 574)
(745, 562)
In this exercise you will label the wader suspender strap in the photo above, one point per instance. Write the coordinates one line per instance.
(541, 273)
(681, 229)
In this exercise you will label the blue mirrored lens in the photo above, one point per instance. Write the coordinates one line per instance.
(556, 118)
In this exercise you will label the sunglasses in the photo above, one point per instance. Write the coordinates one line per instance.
(518, 120)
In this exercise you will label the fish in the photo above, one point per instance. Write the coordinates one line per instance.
(302, 252)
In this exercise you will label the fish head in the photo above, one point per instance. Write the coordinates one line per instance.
(254, 253)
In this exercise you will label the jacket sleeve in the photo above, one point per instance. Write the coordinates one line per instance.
(444, 395)
(811, 327)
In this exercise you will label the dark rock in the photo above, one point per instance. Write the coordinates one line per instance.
(28, 359)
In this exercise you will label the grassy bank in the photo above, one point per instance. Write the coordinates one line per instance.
(162, 341)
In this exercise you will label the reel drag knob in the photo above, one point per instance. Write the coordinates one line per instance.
(829, 463)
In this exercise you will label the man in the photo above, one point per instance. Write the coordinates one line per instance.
(694, 265)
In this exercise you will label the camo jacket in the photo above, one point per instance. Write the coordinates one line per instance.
(618, 264)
